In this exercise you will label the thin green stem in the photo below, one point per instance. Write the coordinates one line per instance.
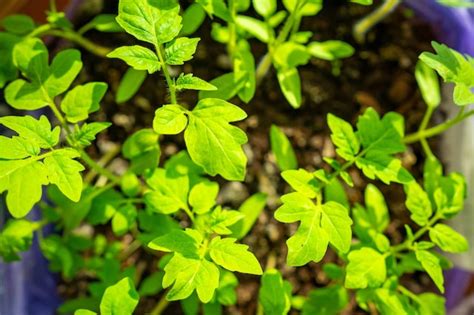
(80, 40)
(109, 156)
(160, 306)
(409, 243)
(433, 131)
(97, 168)
(169, 80)
(40, 30)
(426, 118)
(364, 25)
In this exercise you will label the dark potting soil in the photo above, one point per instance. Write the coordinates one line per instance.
(379, 75)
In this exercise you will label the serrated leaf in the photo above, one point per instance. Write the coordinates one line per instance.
(274, 294)
(366, 268)
(169, 193)
(150, 21)
(83, 100)
(213, 143)
(431, 264)
(64, 172)
(170, 119)
(190, 82)
(343, 136)
(180, 50)
(336, 222)
(16, 148)
(119, 299)
(176, 241)
(377, 165)
(187, 275)
(88, 132)
(448, 239)
(137, 57)
(418, 203)
(310, 241)
(282, 149)
(302, 181)
(35, 130)
(234, 257)
(23, 179)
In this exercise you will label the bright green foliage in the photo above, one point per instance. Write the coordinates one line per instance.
(15, 237)
(191, 269)
(320, 224)
(431, 264)
(120, 299)
(250, 209)
(143, 150)
(24, 171)
(137, 57)
(103, 23)
(45, 81)
(18, 24)
(453, 67)
(330, 50)
(366, 268)
(212, 142)
(87, 133)
(190, 82)
(282, 149)
(83, 100)
(448, 239)
(343, 136)
(180, 50)
(326, 301)
(428, 83)
(129, 85)
(274, 294)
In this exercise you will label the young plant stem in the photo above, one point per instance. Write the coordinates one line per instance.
(364, 25)
(109, 156)
(160, 306)
(266, 62)
(433, 131)
(409, 243)
(169, 81)
(232, 30)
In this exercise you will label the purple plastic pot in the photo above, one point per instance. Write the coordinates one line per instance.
(27, 287)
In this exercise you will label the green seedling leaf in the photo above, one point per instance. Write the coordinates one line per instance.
(180, 50)
(83, 100)
(343, 136)
(216, 7)
(290, 55)
(177, 241)
(202, 196)
(376, 208)
(428, 83)
(244, 68)
(170, 119)
(193, 17)
(153, 22)
(366, 268)
(234, 257)
(16, 148)
(431, 264)
(302, 181)
(102, 23)
(274, 294)
(453, 67)
(120, 299)
(254, 27)
(251, 209)
(18, 24)
(123, 219)
(63, 70)
(169, 193)
(16, 237)
(227, 87)
(88, 132)
(311, 7)
(190, 82)
(448, 239)
(143, 150)
(418, 203)
(326, 301)
(429, 303)
(129, 85)
(35, 130)
(282, 149)
(64, 172)
(330, 50)
(320, 224)
(137, 57)
(290, 85)
(265, 8)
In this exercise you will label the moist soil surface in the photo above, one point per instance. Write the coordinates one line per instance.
(378, 75)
